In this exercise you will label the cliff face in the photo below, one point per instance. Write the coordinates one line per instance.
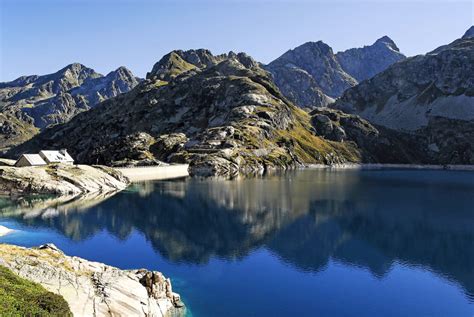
(428, 96)
(311, 75)
(30, 103)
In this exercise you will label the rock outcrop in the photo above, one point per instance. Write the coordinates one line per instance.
(469, 33)
(311, 75)
(179, 61)
(429, 97)
(375, 143)
(221, 119)
(60, 179)
(91, 288)
(30, 103)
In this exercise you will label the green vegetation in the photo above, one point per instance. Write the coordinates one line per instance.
(160, 83)
(313, 149)
(19, 297)
(177, 65)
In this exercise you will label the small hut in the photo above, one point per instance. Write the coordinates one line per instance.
(30, 160)
(61, 156)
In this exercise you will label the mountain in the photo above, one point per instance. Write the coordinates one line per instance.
(222, 118)
(428, 96)
(469, 33)
(311, 75)
(30, 103)
(366, 62)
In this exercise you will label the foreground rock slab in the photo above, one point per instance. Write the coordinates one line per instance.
(92, 288)
(60, 179)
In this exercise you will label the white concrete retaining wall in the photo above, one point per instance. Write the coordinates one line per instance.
(145, 173)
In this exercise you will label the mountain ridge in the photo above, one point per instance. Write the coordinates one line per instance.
(312, 75)
(30, 103)
(222, 119)
(427, 95)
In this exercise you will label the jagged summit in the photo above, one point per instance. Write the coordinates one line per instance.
(311, 75)
(469, 33)
(122, 73)
(365, 62)
(313, 66)
(73, 66)
(314, 48)
(387, 41)
(178, 62)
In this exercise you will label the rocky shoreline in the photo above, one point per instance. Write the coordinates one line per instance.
(60, 179)
(392, 166)
(84, 180)
(91, 288)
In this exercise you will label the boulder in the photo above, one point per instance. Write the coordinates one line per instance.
(92, 288)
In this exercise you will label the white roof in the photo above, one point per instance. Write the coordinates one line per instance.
(56, 156)
(34, 159)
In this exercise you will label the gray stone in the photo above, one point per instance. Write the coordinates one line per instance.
(92, 288)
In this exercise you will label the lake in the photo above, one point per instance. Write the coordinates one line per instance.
(301, 243)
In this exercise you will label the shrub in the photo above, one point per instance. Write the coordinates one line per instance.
(20, 297)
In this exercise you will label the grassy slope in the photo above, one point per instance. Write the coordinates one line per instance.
(24, 130)
(19, 297)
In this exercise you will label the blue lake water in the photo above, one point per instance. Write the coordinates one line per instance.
(304, 243)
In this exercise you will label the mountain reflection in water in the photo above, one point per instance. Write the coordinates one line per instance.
(369, 219)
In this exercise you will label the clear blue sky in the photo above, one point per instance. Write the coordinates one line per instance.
(41, 36)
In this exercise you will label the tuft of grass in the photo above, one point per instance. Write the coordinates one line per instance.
(178, 65)
(160, 83)
(20, 297)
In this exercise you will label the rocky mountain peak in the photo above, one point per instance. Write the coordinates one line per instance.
(179, 61)
(77, 71)
(308, 50)
(76, 67)
(244, 59)
(469, 33)
(385, 40)
(170, 66)
(365, 62)
(201, 58)
(73, 75)
(122, 73)
(309, 75)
